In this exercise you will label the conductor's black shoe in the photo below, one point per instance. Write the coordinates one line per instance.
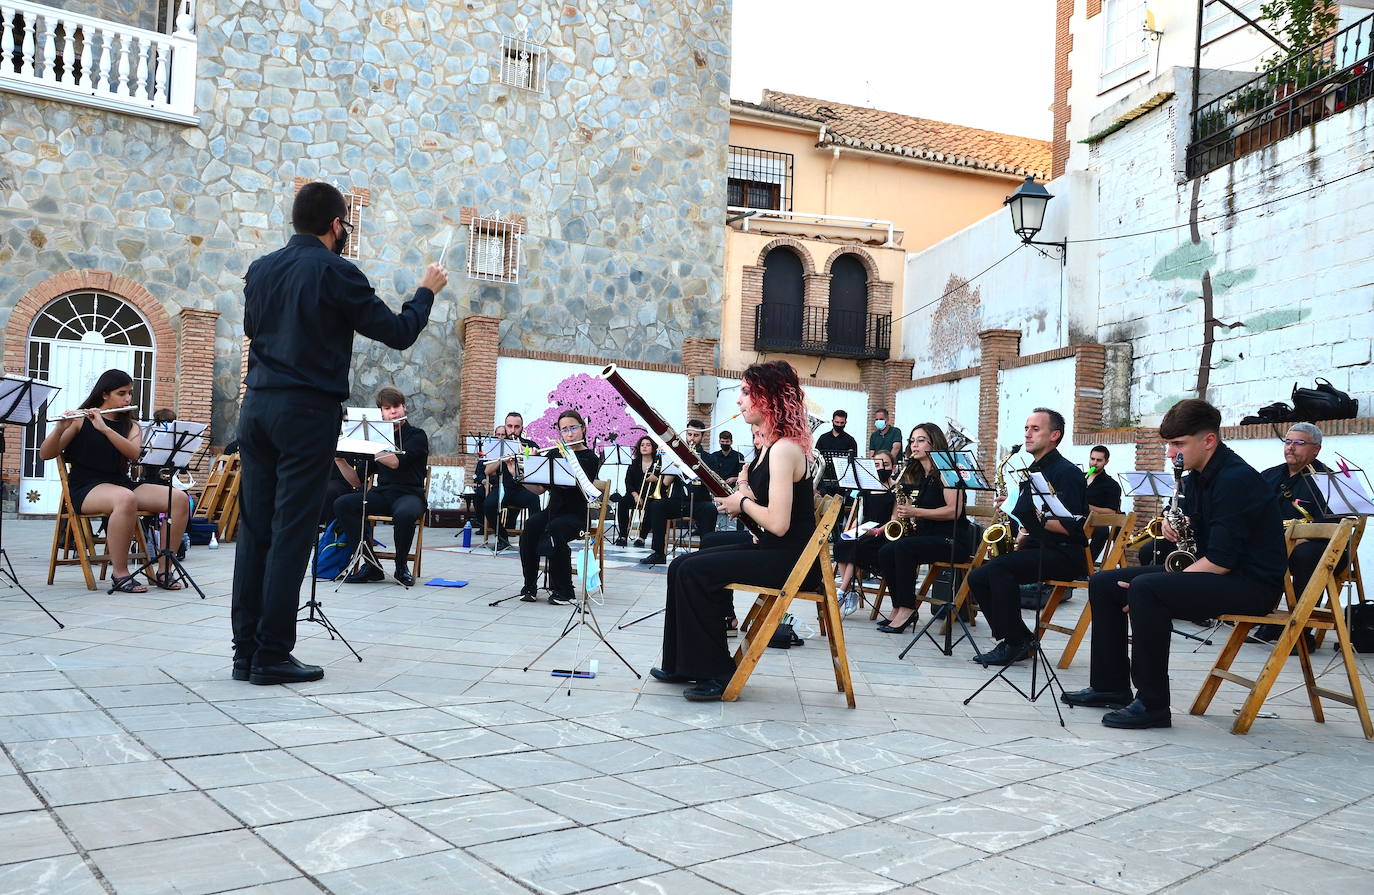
(366, 575)
(1005, 653)
(659, 674)
(242, 668)
(1097, 699)
(529, 593)
(620, 542)
(291, 671)
(653, 559)
(709, 690)
(561, 598)
(403, 575)
(1137, 717)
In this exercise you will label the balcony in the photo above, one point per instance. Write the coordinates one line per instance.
(1313, 83)
(822, 331)
(68, 57)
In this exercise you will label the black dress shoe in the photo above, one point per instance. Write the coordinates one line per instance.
(1137, 717)
(291, 671)
(243, 668)
(620, 542)
(709, 690)
(653, 559)
(1004, 653)
(1097, 699)
(366, 575)
(659, 674)
(890, 628)
(639, 542)
(404, 577)
(529, 594)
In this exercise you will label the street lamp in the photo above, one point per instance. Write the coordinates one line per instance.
(1027, 206)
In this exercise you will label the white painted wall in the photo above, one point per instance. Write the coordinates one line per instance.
(938, 403)
(1023, 389)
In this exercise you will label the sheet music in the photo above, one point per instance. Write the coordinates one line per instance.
(172, 444)
(1147, 483)
(1043, 495)
(362, 447)
(1343, 492)
(477, 444)
(618, 455)
(541, 470)
(853, 534)
(367, 430)
(357, 414)
(959, 469)
(20, 408)
(858, 474)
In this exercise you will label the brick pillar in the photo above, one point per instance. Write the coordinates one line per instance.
(816, 290)
(477, 382)
(1090, 367)
(1149, 454)
(751, 296)
(873, 375)
(998, 345)
(898, 374)
(698, 357)
(195, 385)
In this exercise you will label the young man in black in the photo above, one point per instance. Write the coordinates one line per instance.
(508, 492)
(1104, 493)
(399, 492)
(1235, 524)
(831, 444)
(302, 305)
(727, 463)
(548, 532)
(680, 500)
(1046, 547)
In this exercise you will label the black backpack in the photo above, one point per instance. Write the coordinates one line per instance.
(1325, 402)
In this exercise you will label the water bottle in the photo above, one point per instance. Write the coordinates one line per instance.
(214, 541)
(467, 534)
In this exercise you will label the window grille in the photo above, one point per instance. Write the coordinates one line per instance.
(1123, 42)
(759, 178)
(494, 248)
(523, 64)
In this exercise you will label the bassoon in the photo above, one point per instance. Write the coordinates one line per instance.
(666, 436)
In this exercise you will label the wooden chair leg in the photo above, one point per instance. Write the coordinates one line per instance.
(1047, 614)
(753, 650)
(419, 547)
(838, 658)
(1223, 663)
(84, 539)
(1269, 673)
(1080, 630)
(1352, 673)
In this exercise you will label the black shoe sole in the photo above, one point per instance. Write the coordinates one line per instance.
(241, 674)
(1113, 704)
(263, 680)
(1133, 725)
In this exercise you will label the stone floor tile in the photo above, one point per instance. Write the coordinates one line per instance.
(359, 703)
(893, 851)
(555, 734)
(423, 782)
(674, 882)
(596, 800)
(44, 702)
(194, 866)
(854, 757)
(1087, 783)
(27, 728)
(31, 834)
(241, 768)
(51, 755)
(420, 720)
(422, 875)
(312, 731)
(73, 786)
(487, 817)
(354, 755)
(1296, 872)
(1041, 803)
(1115, 866)
(142, 694)
(867, 796)
(686, 836)
(1170, 840)
(15, 795)
(284, 708)
(976, 825)
(777, 769)
(566, 861)
(65, 875)
(29, 681)
(149, 818)
(338, 842)
(702, 745)
(784, 815)
(520, 769)
(620, 756)
(1000, 875)
(694, 784)
(167, 717)
(633, 724)
(260, 804)
(791, 870)
(469, 742)
(498, 712)
(297, 886)
(197, 741)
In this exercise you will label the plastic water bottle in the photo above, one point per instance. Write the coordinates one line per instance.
(214, 541)
(467, 534)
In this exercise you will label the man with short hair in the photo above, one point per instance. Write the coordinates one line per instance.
(399, 492)
(727, 463)
(1048, 547)
(1104, 494)
(1234, 522)
(834, 443)
(503, 491)
(885, 437)
(302, 305)
(680, 500)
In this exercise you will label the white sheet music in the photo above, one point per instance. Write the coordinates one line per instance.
(23, 411)
(172, 444)
(1043, 496)
(853, 534)
(858, 474)
(368, 430)
(540, 470)
(1148, 483)
(1343, 493)
(362, 447)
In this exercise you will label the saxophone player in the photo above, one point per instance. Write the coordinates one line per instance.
(1233, 519)
(1046, 548)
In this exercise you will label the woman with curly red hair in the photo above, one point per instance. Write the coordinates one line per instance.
(779, 497)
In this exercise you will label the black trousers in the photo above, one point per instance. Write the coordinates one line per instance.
(694, 640)
(549, 536)
(898, 561)
(403, 505)
(995, 585)
(660, 511)
(286, 442)
(512, 495)
(1155, 598)
(623, 509)
(1302, 562)
(333, 490)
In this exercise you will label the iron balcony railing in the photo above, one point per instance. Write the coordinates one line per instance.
(1313, 83)
(822, 331)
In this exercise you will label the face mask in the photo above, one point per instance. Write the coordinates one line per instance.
(880, 424)
(884, 475)
(838, 429)
(341, 243)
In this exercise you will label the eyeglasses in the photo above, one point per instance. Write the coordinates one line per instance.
(1295, 442)
(569, 430)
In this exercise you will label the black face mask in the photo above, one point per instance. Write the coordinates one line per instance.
(725, 446)
(884, 475)
(341, 243)
(839, 430)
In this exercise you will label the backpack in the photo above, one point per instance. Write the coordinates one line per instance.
(1325, 402)
(332, 554)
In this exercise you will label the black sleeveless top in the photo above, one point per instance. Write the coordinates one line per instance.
(803, 520)
(94, 460)
(931, 496)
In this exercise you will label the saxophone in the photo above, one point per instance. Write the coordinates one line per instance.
(997, 536)
(1153, 531)
(1186, 552)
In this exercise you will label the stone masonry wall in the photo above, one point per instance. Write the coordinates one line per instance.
(615, 166)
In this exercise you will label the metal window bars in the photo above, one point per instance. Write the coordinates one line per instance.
(759, 178)
(494, 249)
(524, 64)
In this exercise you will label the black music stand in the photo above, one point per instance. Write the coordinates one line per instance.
(21, 400)
(169, 448)
(858, 476)
(363, 439)
(617, 455)
(314, 609)
(1041, 497)
(958, 470)
(548, 471)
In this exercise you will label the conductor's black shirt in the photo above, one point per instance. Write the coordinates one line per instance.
(302, 305)
(1235, 519)
(1072, 490)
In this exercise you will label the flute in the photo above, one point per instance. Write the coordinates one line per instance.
(78, 414)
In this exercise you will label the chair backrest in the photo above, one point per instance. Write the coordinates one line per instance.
(1338, 535)
(827, 511)
(1114, 553)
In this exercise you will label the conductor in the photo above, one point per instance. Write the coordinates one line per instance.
(302, 305)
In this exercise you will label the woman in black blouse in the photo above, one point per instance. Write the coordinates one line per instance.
(100, 448)
(636, 494)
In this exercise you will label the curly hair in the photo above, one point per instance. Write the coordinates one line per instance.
(777, 396)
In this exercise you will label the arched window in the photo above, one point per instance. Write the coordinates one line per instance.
(847, 318)
(780, 315)
(74, 339)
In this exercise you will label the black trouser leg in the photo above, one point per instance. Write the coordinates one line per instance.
(405, 513)
(1302, 562)
(900, 559)
(995, 585)
(286, 439)
(348, 510)
(530, 537)
(660, 511)
(562, 529)
(333, 490)
(512, 495)
(704, 517)
(1111, 664)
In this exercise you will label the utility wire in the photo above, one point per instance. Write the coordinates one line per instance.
(962, 284)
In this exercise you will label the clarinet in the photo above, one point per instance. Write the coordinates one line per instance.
(673, 442)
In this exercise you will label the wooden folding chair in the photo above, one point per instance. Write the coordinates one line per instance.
(681, 535)
(228, 520)
(208, 498)
(772, 604)
(1114, 556)
(984, 516)
(417, 549)
(1302, 613)
(1351, 573)
(78, 543)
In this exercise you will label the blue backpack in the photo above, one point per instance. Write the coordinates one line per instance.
(333, 553)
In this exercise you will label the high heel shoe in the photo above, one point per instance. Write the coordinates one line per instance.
(889, 629)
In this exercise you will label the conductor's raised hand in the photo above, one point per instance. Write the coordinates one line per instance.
(435, 278)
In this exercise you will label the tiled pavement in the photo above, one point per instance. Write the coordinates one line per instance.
(131, 763)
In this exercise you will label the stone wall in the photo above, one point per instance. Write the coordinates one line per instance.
(616, 167)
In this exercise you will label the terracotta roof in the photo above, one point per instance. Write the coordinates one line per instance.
(911, 137)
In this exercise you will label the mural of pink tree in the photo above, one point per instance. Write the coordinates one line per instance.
(608, 418)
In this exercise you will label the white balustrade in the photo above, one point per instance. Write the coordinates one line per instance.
(65, 56)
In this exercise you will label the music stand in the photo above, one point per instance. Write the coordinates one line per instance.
(859, 477)
(496, 450)
(958, 470)
(363, 439)
(22, 399)
(619, 456)
(542, 469)
(169, 449)
(1051, 509)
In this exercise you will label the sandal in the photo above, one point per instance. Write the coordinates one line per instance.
(165, 581)
(127, 584)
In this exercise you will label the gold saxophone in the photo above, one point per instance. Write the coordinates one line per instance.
(997, 536)
(1153, 531)
(896, 529)
(1297, 504)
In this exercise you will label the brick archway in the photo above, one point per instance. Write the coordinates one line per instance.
(123, 288)
(796, 245)
(869, 264)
